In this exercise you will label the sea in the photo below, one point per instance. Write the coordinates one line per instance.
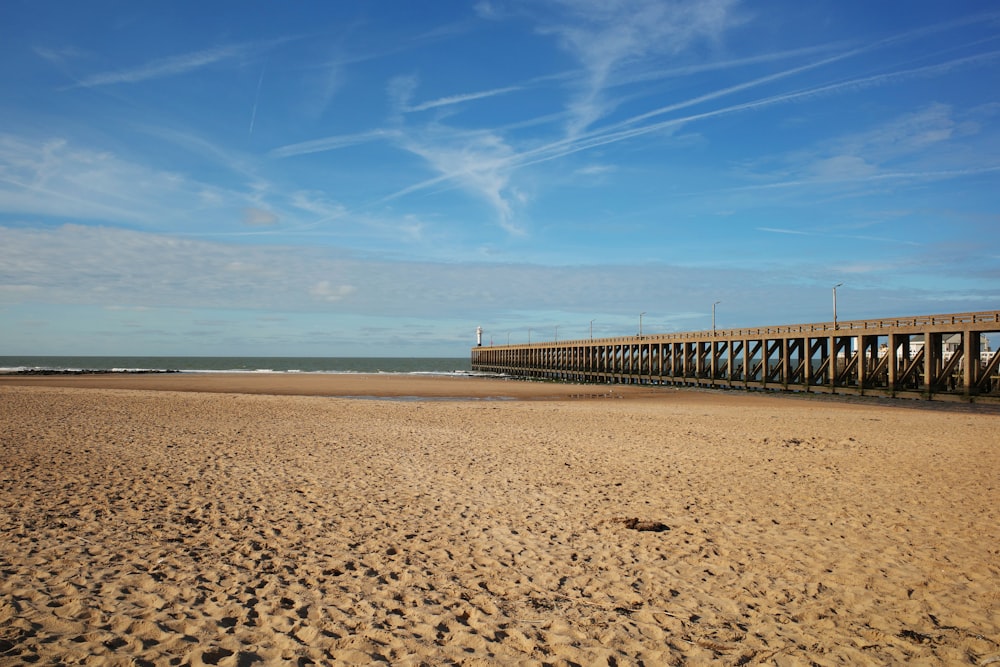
(399, 365)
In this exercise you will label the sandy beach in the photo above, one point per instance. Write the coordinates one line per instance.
(301, 519)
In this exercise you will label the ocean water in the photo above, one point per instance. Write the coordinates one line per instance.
(407, 365)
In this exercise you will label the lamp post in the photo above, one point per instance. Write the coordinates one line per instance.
(835, 304)
(640, 323)
(529, 335)
(557, 333)
(591, 329)
(508, 338)
(713, 316)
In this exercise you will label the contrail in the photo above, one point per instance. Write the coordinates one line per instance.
(253, 113)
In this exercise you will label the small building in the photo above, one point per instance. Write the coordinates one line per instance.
(950, 345)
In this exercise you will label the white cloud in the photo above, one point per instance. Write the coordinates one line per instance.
(324, 291)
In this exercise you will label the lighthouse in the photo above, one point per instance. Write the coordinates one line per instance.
(479, 336)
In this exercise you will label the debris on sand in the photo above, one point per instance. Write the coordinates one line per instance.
(638, 524)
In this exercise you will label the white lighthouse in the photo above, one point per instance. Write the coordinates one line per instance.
(479, 336)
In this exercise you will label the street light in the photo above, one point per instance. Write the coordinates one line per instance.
(557, 333)
(529, 335)
(508, 338)
(640, 323)
(591, 329)
(713, 316)
(835, 304)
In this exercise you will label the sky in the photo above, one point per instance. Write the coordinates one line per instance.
(377, 178)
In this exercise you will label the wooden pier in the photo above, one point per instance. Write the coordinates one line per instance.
(932, 357)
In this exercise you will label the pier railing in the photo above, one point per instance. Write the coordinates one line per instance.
(929, 356)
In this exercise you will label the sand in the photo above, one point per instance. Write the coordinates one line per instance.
(161, 520)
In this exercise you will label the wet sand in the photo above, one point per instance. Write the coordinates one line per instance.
(267, 519)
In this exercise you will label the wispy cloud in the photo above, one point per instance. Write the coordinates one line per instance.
(256, 99)
(259, 217)
(489, 172)
(680, 71)
(165, 67)
(896, 241)
(51, 178)
(596, 170)
(477, 161)
(909, 133)
(866, 179)
(332, 143)
(458, 99)
(62, 180)
(99, 265)
(603, 36)
(483, 162)
(234, 160)
(590, 109)
(898, 151)
(480, 165)
(776, 230)
(624, 131)
(325, 291)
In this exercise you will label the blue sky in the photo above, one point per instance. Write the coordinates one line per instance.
(380, 178)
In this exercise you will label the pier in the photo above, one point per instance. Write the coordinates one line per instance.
(940, 357)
